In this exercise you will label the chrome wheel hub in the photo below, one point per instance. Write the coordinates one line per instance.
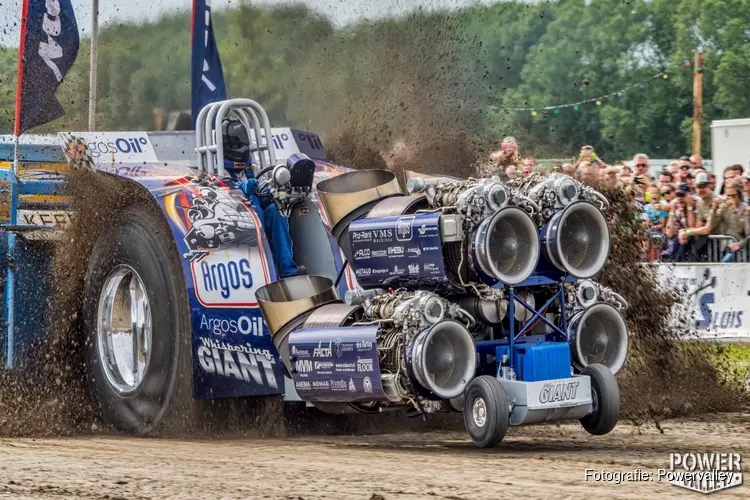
(124, 336)
(479, 412)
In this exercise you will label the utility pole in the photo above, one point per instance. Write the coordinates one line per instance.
(92, 64)
(697, 103)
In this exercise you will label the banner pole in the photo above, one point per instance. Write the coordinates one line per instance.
(92, 64)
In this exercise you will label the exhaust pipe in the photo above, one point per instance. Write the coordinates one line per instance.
(286, 304)
(350, 196)
(599, 335)
(576, 240)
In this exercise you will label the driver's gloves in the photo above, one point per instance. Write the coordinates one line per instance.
(248, 187)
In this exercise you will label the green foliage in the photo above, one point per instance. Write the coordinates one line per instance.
(429, 80)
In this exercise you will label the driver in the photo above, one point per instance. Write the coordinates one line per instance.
(237, 162)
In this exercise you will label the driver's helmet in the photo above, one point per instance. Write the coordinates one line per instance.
(236, 144)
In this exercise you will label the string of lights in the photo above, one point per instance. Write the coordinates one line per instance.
(534, 110)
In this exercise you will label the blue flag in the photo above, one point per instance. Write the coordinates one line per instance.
(207, 78)
(49, 46)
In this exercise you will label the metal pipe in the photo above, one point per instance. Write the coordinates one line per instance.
(92, 64)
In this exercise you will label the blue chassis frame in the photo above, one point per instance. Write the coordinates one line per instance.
(19, 187)
(489, 346)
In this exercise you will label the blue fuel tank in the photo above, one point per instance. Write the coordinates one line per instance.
(539, 361)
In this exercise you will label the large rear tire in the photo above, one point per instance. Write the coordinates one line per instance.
(136, 324)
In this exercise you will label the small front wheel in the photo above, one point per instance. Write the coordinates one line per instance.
(486, 413)
(605, 395)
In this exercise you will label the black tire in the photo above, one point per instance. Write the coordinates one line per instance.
(488, 392)
(141, 239)
(605, 394)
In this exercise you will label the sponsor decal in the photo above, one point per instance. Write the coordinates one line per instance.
(302, 385)
(364, 365)
(361, 235)
(118, 147)
(299, 353)
(341, 347)
(558, 391)
(367, 385)
(414, 251)
(379, 253)
(413, 268)
(321, 385)
(345, 367)
(322, 352)
(226, 263)
(303, 366)
(395, 251)
(243, 362)
(49, 218)
(225, 277)
(382, 235)
(352, 387)
(217, 220)
(362, 253)
(323, 365)
(224, 326)
(338, 385)
(363, 271)
(364, 345)
(404, 228)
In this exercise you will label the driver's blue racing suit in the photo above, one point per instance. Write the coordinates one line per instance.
(275, 224)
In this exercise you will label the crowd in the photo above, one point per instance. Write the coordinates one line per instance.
(688, 218)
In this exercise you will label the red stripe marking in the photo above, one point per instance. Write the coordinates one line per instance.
(21, 51)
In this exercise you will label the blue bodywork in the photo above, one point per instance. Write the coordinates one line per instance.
(389, 251)
(336, 364)
(233, 354)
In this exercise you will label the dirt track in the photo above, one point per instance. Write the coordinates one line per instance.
(533, 462)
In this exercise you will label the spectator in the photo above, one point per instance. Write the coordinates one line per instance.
(681, 217)
(654, 217)
(511, 172)
(589, 172)
(673, 167)
(643, 182)
(641, 164)
(696, 161)
(667, 192)
(610, 175)
(746, 189)
(734, 219)
(712, 182)
(588, 155)
(529, 165)
(731, 172)
(665, 177)
(706, 205)
(569, 169)
(507, 155)
(654, 220)
(626, 174)
(682, 172)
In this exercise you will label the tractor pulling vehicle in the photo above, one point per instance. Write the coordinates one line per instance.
(458, 295)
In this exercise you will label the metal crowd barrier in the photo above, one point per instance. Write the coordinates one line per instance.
(718, 246)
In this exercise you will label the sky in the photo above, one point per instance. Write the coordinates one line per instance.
(341, 12)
